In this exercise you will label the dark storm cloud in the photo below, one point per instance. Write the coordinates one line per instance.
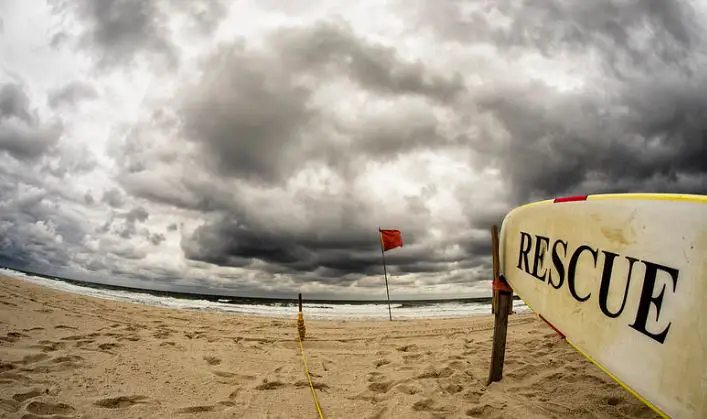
(646, 135)
(258, 115)
(35, 230)
(253, 114)
(333, 47)
(22, 134)
(71, 93)
(635, 127)
(334, 254)
(119, 30)
(113, 197)
(134, 216)
(156, 238)
(554, 27)
(568, 144)
(125, 224)
(139, 214)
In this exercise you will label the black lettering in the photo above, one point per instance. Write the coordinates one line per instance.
(540, 255)
(525, 239)
(647, 299)
(606, 280)
(572, 268)
(558, 265)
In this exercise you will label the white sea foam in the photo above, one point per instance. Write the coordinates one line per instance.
(315, 310)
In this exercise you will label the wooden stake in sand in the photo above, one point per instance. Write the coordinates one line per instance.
(504, 299)
(300, 320)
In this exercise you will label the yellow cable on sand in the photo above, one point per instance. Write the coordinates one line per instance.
(309, 379)
(300, 335)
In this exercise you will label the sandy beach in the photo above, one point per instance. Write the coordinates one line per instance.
(70, 356)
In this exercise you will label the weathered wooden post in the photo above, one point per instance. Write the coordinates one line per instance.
(301, 330)
(503, 297)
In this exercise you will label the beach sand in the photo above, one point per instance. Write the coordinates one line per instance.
(64, 355)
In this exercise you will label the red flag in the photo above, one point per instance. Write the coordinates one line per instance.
(390, 239)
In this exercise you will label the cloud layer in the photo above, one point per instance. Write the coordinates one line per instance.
(256, 150)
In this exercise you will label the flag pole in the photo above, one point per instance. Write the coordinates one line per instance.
(385, 272)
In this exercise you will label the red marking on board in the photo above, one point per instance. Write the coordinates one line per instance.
(570, 198)
(553, 327)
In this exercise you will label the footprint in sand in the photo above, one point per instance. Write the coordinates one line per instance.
(485, 410)
(46, 409)
(424, 405)
(10, 406)
(108, 346)
(67, 358)
(269, 385)
(49, 346)
(212, 360)
(12, 337)
(234, 393)
(63, 326)
(81, 337)
(432, 372)
(381, 362)
(131, 338)
(316, 385)
(408, 388)
(31, 359)
(120, 402)
(196, 409)
(161, 334)
(9, 377)
(375, 377)
(21, 397)
(380, 386)
(411, 358)
(33, 329)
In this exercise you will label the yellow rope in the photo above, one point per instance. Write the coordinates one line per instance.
(309, 379)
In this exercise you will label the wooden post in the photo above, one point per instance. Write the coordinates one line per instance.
(301, 330)
(504, 305)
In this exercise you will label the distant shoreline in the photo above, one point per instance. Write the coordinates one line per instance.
(247, 300)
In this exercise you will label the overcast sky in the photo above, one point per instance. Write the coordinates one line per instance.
(254, 147)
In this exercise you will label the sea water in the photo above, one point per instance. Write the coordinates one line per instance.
(329, 310)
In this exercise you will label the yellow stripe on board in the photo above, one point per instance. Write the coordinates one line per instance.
(532, 204)
(702, 199)
(613, 377)
(621, 383)
(309, 379)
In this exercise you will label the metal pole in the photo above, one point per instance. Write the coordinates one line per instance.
(385, 272)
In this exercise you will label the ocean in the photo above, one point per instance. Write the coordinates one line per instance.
(277, 308)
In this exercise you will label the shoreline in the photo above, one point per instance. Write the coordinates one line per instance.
(314, 309)
(72, 356)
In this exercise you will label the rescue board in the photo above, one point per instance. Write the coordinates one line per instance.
(623, 277)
